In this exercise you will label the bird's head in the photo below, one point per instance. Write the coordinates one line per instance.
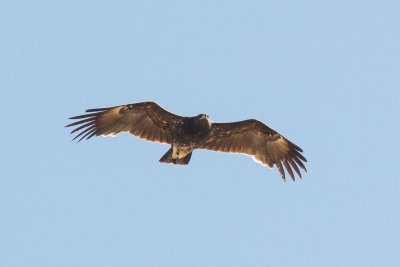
(204, 118)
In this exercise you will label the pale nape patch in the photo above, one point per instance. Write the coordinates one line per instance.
(210, 122)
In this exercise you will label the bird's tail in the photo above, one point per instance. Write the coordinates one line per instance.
(167, 158)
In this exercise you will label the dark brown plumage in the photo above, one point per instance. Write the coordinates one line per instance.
(149, 121)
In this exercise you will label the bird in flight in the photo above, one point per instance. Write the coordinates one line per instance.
(147, 120)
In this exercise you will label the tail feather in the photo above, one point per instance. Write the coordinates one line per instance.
(167, 158)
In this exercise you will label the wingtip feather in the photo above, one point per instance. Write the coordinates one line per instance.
(97, 109)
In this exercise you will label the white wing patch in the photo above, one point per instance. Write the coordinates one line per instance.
(260, 162)
(109, 135)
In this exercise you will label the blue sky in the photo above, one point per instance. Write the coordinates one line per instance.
(323, 73)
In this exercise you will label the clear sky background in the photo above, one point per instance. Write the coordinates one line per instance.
(326, 74)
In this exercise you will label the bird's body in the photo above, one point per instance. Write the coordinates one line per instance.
(186, 138)
(149, 121)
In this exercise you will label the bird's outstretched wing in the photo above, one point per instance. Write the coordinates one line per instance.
(146, 120)
(254, 138)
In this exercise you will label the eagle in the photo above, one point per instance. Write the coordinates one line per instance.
(149, 121)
